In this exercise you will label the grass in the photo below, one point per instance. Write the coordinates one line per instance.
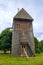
(7, 59)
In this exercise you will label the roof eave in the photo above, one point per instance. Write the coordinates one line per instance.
(21, 19)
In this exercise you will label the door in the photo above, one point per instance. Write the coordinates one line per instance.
(24, 50)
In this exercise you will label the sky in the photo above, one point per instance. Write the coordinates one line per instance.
(8, 9)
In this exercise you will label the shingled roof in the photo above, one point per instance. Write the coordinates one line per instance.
(22, 14)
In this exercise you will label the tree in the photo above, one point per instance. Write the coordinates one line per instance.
(37, 45)
(6, 40)
(0, 41)
(41, 44)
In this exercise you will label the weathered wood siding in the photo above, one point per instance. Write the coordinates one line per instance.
(22, 32)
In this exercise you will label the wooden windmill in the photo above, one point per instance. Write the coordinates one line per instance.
(22, 37)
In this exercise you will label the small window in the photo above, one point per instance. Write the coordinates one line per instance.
(18, 25)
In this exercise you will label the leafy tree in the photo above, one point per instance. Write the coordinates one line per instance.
(37, 45)
(6, 40)
(0, 41)
(41, 44)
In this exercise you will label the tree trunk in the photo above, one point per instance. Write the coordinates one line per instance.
(10, 51)
(4, 51)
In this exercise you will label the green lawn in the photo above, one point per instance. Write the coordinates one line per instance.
(7, 59)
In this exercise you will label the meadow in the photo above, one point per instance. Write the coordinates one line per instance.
(7, 59)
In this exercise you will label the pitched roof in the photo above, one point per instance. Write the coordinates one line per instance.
(22, 14)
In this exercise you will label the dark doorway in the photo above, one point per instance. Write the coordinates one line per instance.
(24, 49)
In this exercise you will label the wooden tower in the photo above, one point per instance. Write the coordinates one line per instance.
(22, 37)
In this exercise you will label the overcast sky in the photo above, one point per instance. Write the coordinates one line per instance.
(8, 9)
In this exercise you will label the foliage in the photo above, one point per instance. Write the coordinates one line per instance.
(37, 45)
(5, 40)
(41, 44)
